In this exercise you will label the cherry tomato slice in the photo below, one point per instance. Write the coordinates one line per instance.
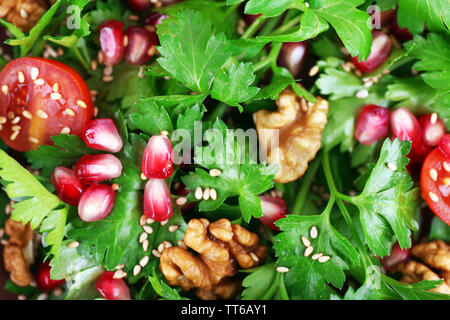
(435, 183)
(40, 98)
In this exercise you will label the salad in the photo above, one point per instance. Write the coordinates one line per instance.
(225, 149)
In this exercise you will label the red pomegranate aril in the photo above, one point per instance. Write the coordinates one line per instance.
(96, 203)
(97, 168)
(273, 209)
(157, 161)
(67, 185)
(400, 33)
(432, 129)
(372, 124)
(43, 280)
(140, 42)
(111, 42)
(139, 5)
(154, 18)
(250, 18)
(396, 257)
(112, 289)
(157, 200)
(292, 56)
(102, 134)
(379, 52)
(405, 126)
(444, 144)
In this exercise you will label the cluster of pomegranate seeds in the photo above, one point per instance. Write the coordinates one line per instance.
(292, 56)
(111, 41)
(101, 134)
(379, 52)
(397, 256)
(372, 124)
(97, 168)
(112, 289)
(67, 185)
(43, 280)
(273, 209)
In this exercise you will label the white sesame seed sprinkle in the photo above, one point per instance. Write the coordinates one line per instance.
(21, 77)
(125, 41)
(391, 166)
(433, 174)
(324, 259)
(198, 193)
(215, 172)
(316, 256)
(39, 82)
(119, 274)
(305, 241)
(156, 253)
(58, 292)
(164, 133)
(150, 221)
(313, 232)
(2, 120)
(65, 130)
(164, 222)
(107, 78)
(362, 94)
(282, 269)
(181, 244)
(16, 120)
(108, 70)
(21, 297)
(433, 118)
(27, 114)
(145, 245)
(308, 251)
(160, 247)
(137, 269)
(23, 13)
(16, 128)
(133, 17)
(55, 87)
(55, 96)
(120, 266)
(143, 237)
(5, 89)
(69, 112)
(313, 71)
(41, 114)
(14, 135)
(148, 229)
(446, 166)
(433, 196)
(254, 257)
(181, 201)
(144, 261)
(34, 73)
(173, 228)
(206, 193)
(33, 140)
(73, 244)
(213, 194)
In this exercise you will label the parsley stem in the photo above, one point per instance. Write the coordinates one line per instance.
(253, 28)
(282, 289)
(271, 291)
(306, 184)
(286, 26)
(218, 112)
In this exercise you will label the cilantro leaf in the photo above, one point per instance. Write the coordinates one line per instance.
(388, 201)
(190, 52)
(414, 13)
(66, 152)
(307, 278)
(235, 87)
(240, 176)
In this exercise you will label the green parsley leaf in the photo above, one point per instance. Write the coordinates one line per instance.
(259, 282)
(338, 84)
(163, 290)
(411, 92)
(414, 13)
(307, 278)
(151, 118)
(270, 8)
(439, 230)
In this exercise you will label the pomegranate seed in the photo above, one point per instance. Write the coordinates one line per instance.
(43, 280)
(67, 185)
(154, 18)
(101, 134)
(444, 144)
(250, 18)
(111, 41)
(405, 126)
(139, 5)
(112, 289)
(372, 124)
(402, 34)
(432, 129)
(379, 52)
(157, 201)
(273, 209)
(96, 202)
(157, 161)
(292, 56)
(139, 43)
(97, 168)
(396, 257)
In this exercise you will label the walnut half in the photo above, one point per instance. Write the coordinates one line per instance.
(221, 246)
(291, 136)
(24, 14)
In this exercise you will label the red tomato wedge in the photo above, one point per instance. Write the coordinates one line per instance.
(40, 98)
(435, 183)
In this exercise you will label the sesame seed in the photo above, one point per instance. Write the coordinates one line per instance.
(148, 229)
(39, 82)
(181, 201)
(305, 241)
(27, 114)
(173, 228)
(368, 84)
(16, 128)
(107, 78)
(142, 220)
(119, 274)
(120, 266)
(144, 261)
(58, 292)
(167, 244)
(198, 193)
(156, 253)
(324, 259)
(143, 237)
(5, 89)
(21, 297)
(213, 194)
(313, 232)
(308, 251)
(73, 244)
(108, 70)
(141, 72)
(2, 120)
(41, 114)
(152, 51)
(60, 51)
(145, 245)
(34, 73)
(94, 65)
(150, 221)
(433, 174)
(316, 256)
(433, 196)
(23, 13)
(362, 94)
(307, 4)
(42, 296)
(391, 166)
(95, 111)
(254, 257)
(115, 186)
(4, 242)
(55, 87)
(282, 269)
(143, 177)
(14, 135)
(433, 118)
(313, 71)
(446, 166)
(16, 120)
(65, 130)
(21, 77)
(164, 133)
(181, 244)
(206, 194)
(137, 269)
(125, 41)
(161, 247)
(133, 17)
(215, 172)
(163, 223)
(33, 140)
(55, 96)
(69, 112)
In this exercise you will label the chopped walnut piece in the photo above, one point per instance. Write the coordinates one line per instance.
(414, 272)
(220, 246)
(22, 13)
(19, 234)
(435, 254)
(17, 265)
(300, 125)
